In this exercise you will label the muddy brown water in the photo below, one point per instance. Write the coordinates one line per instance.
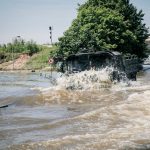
(41, 116)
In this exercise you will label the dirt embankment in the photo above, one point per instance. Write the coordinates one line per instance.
(17, 64)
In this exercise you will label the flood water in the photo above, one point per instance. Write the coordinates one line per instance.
(43, 116)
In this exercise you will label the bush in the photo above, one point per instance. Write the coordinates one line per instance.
(20, 46)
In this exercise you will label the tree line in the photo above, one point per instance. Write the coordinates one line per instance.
(114, 25)
(20, 46)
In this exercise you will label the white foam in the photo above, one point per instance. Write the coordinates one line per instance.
(143, 96)
(85, 80)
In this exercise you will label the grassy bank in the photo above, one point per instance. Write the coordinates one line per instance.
(23, 61)
(39, 60)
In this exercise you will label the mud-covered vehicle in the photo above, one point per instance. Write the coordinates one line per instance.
(123, 66)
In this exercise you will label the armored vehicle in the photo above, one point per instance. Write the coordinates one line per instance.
(123, 65)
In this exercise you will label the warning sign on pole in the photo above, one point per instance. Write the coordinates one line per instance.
(50, 61)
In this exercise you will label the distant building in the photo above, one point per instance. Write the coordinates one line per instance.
(47, 45)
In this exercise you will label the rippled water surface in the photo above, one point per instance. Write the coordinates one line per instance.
(43, 116)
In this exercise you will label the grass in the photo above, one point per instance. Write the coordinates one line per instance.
(36, 62)
(5, 57)
(40, 60)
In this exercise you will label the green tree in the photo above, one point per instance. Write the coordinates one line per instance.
(106, 24)
(32, 47)
(20, 46)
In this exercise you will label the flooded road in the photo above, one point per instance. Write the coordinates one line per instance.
(43, 116)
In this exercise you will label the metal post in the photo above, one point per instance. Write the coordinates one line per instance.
(51, 70)
(50, 28)
(51, 38)
(12, 51)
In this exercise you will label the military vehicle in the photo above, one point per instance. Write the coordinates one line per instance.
(124, 66)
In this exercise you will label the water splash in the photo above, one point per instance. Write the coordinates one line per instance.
(83, 87)
(90, 79)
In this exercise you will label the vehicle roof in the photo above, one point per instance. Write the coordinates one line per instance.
(111, 53)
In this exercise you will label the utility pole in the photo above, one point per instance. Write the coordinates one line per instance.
(50, 29)
(18, 38)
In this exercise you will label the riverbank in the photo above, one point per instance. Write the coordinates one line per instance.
(38, 61)
(16, 64)
(46, 69)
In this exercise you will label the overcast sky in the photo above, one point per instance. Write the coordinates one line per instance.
(30, 19)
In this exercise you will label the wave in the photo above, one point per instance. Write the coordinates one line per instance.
(89, 86)
(115, 117)
(81, 88)
(113, 123)
(85, 80)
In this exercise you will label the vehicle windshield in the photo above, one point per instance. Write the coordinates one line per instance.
(86, 62)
